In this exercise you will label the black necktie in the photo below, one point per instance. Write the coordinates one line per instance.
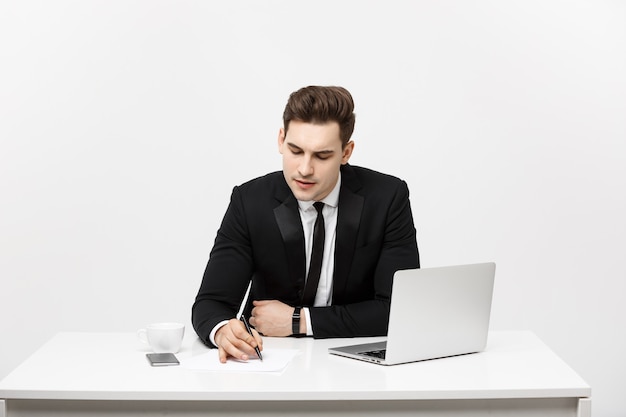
(315, 265)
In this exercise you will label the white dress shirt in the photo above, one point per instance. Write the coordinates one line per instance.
(308, 214)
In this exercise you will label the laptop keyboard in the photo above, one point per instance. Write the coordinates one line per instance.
(380, 353)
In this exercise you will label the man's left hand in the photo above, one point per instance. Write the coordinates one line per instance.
(272, 318)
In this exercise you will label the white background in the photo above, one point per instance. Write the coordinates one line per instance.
(124, 126)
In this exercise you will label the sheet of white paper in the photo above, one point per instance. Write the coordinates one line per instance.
(274, 360)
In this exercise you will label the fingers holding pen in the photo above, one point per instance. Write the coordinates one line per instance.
(234, 340)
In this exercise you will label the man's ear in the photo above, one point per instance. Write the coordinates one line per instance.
(281, 139)
(347, 152)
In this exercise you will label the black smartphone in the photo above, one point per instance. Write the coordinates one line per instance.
(162, 359)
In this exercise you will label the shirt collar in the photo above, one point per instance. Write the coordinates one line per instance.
(332, 199)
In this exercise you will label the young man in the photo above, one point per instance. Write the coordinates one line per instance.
(323, 270)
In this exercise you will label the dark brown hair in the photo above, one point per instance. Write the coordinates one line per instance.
(315, 104)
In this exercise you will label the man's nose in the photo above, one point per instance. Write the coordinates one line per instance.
(306, 167)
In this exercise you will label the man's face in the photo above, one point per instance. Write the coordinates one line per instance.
(312, 155)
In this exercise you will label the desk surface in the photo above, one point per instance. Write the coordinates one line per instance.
(112, 366)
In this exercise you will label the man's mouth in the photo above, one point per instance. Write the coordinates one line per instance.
(304, 184)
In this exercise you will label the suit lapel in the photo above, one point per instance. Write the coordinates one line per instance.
(348, 221)
(290, 225)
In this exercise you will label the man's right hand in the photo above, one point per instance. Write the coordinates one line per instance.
(232, 339)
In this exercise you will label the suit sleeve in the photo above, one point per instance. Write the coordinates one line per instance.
(227, 274)
(368, 313)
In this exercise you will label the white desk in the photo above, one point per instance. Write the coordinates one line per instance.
(100, 374)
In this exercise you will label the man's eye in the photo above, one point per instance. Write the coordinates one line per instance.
(296, 152)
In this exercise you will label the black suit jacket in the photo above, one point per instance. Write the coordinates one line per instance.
(261, 238)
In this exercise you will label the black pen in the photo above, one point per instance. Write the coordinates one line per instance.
(245, 323)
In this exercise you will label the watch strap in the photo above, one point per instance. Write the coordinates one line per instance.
(295, 321)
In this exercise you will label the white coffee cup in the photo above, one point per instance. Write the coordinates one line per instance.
(163, 337)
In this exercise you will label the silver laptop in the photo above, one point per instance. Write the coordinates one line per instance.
(435, 312)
